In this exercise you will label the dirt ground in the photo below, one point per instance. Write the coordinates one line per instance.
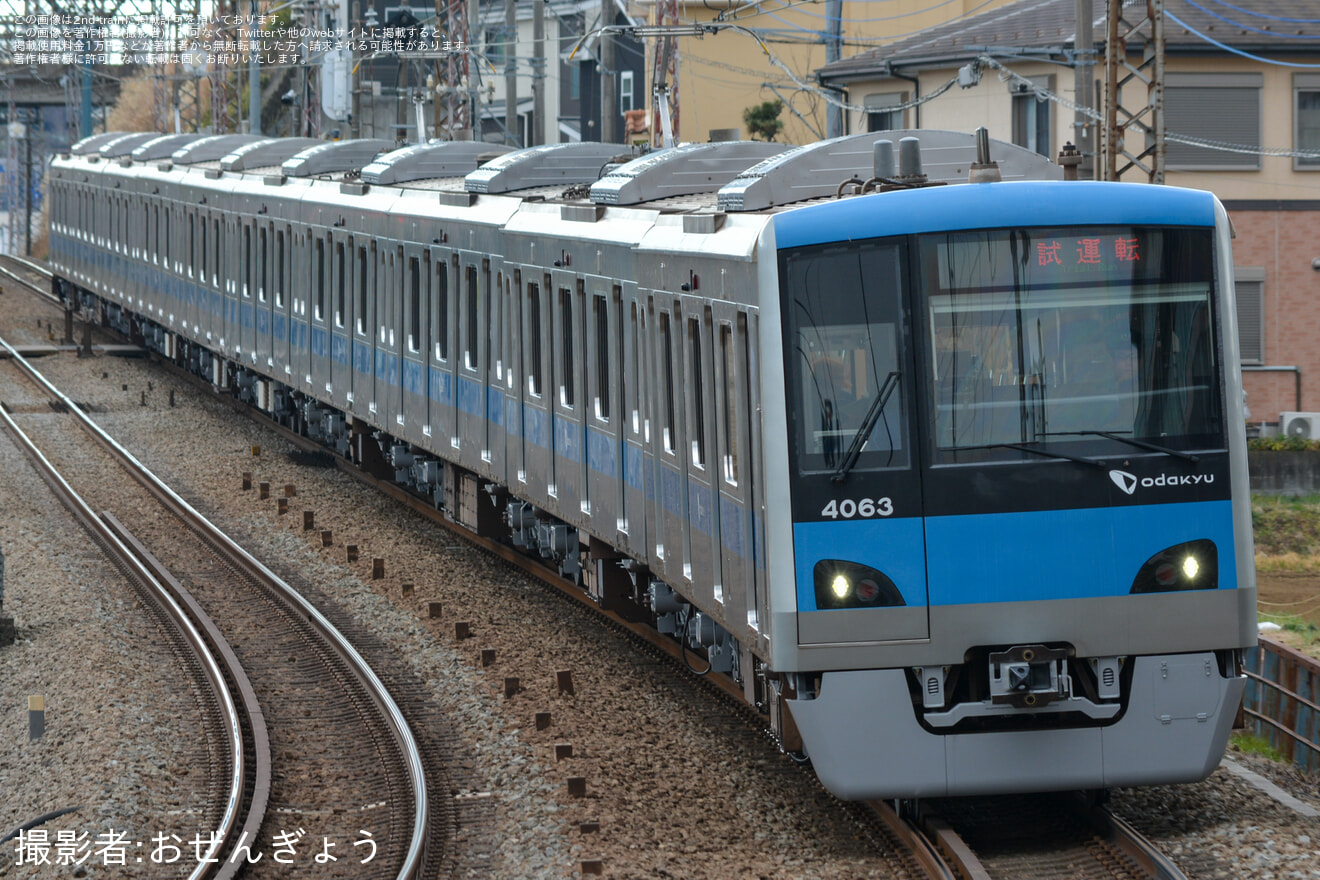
(1293, 595)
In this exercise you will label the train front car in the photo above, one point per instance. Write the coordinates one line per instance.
(1015, 484)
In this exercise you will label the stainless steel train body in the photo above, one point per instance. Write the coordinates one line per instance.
(948, 477)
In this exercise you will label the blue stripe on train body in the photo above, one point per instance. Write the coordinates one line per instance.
(1016, 557)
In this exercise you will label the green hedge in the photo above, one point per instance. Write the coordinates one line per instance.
(1283, 444)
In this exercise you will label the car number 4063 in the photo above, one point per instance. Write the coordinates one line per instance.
(864, 507)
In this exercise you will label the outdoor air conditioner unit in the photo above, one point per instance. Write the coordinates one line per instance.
(1302, 425)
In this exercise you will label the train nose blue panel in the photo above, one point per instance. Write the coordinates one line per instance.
(1066, 554)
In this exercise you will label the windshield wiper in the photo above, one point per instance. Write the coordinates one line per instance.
(868, 425)
(1131, 441)
(1048, 453)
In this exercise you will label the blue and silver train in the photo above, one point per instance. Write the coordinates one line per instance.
(950, 476)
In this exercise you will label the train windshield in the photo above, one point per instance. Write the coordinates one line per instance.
(844, 332)
(1065, 335)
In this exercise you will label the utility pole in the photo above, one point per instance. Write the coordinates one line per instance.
(510, 72)
(539, 129)
(609, 99)
(254, 76)
(1144, 107)
(1084, 88)
(833, 52)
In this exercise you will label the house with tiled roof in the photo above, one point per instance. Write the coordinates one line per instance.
(1242, 117)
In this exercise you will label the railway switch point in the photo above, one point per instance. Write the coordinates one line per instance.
(542, 720)
(433, 609)
(564, 681)
(563, 751)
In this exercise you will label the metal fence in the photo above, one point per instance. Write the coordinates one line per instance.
(1283, 689)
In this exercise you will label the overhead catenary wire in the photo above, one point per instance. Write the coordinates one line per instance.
(1247, 27)
(1227, 48)
(1267, 16)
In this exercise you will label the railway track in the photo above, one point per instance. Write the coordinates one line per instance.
(975, 839)
(334, 738)
(1040, 837)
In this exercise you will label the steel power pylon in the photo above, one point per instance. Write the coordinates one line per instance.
(453, 110)
(1133, 93)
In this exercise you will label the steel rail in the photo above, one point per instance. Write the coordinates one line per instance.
(136, 570)
(32, 264)
(415, 857)
(1122, 834)
(260, 739)
(936, 858)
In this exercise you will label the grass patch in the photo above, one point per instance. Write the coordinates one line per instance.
(1252, 744)
(1287, 531)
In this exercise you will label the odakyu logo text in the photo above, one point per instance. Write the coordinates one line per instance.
(1129, 482)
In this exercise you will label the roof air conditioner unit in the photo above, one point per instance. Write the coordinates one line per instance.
(1302, 425)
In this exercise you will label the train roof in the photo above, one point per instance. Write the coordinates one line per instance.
(730, 177)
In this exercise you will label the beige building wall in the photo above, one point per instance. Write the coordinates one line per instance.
(990, 104)
(722, 74)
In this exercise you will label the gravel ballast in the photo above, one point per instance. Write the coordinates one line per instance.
(679, 786)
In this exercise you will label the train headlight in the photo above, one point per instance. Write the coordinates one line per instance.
(843, 584)
(1193, 565)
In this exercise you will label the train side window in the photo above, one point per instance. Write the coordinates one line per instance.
(441, 310)
(601, 313)
(383, 295)
(363, 273)
(192, 242)
(698, 396)
(667, 343)
(318, 257)
(729, 405)
(262, 262)
(279, 268)
(414, 304)
(566, 347)
(633, 388)
(533, 339)
(470, 345)
(497, 294)
(247, 260)
(340, 284)
(511, 286)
